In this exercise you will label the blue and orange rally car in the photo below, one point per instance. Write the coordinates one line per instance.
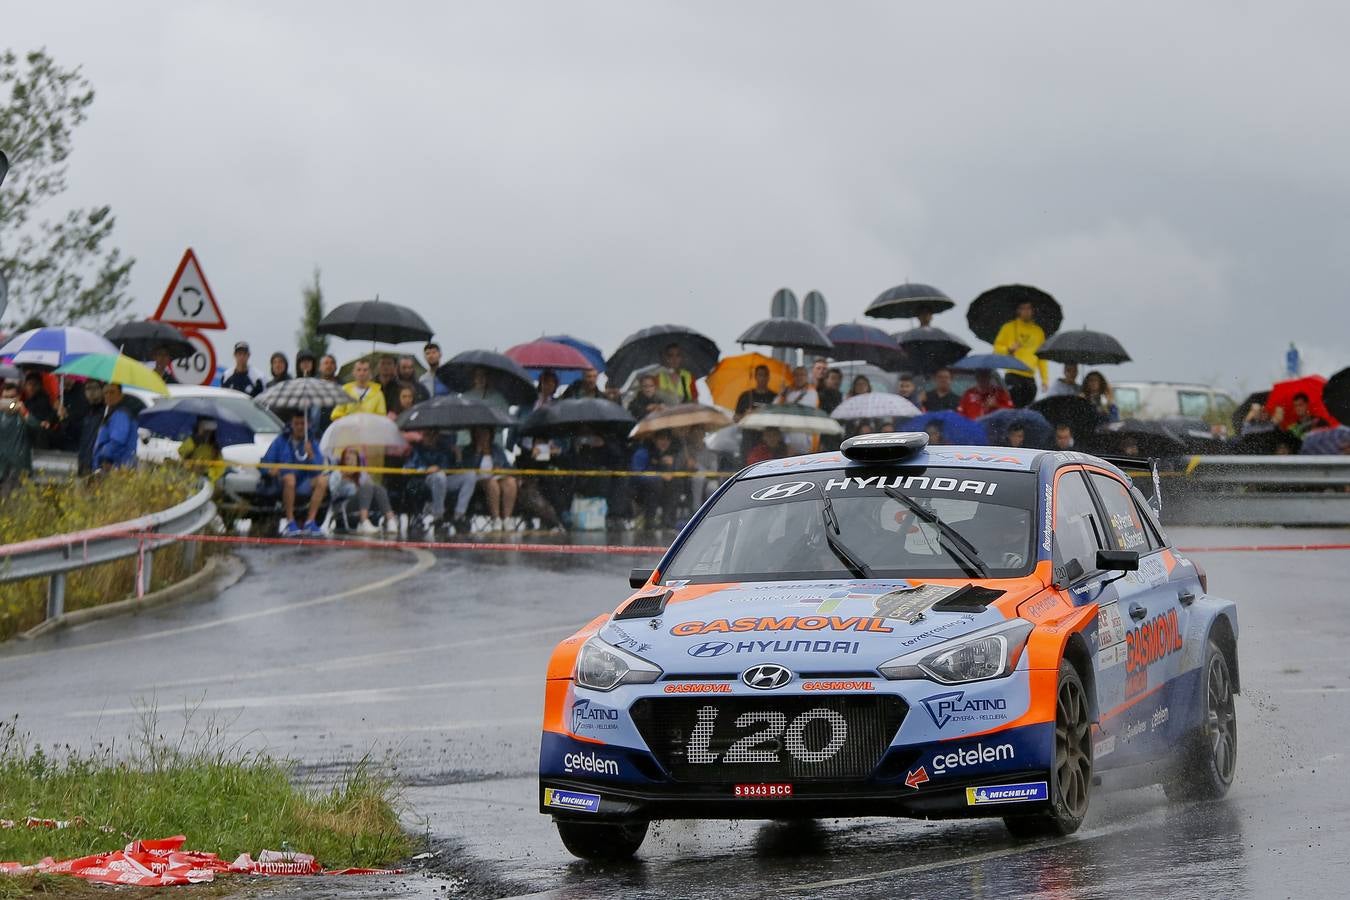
(898, 630)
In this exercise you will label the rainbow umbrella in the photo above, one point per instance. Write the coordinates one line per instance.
(114, 368)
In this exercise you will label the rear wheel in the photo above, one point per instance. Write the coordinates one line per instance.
(601, 840)
(1071, 773)
(1209, 755)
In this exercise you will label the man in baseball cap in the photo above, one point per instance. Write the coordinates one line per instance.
(241, 379)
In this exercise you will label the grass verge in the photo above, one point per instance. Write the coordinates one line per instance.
(225, 799)
(38, 509)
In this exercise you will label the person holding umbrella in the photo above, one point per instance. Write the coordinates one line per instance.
(202, 446)
(1022, 337)
(432, 354)
(17, 430)
(295, 446)
(941, 396)
(164, 364)
(674, 379)
(305, 365)
(769, 446)
(115, 446)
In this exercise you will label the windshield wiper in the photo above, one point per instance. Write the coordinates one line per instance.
(846, 556)
(966, 554)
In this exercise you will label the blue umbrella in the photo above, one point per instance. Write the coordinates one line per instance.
(1326, 441)
(54, 346)
(176, 418)
(956, 428)
(588, 350)
(976, 361)
(1037, 430)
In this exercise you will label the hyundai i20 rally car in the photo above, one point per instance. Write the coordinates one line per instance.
(895, 629)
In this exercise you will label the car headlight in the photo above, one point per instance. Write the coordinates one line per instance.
(989, 653)
(603, 667)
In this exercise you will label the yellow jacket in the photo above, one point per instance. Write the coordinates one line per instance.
(190, 449)
(372, 401)
(1028, 336)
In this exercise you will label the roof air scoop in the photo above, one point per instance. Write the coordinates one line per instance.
(885, 447)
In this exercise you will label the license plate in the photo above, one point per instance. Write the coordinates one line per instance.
(759, 791)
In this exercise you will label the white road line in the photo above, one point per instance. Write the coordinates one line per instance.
(425, 560)
(1321, 690)
(394, 693)
(352, 662)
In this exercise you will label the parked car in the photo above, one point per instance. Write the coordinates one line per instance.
(239, 481)
(1164, 399)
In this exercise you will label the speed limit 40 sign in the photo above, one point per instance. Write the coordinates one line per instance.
(200, 366)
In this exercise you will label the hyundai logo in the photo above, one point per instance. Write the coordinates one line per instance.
(766, 677)
(783, 490)
(710, 648)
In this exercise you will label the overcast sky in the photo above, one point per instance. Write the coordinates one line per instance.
(1175, 174)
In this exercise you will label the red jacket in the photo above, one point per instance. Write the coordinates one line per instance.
(975, 402)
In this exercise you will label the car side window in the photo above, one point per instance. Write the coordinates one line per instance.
(1078, 534)
(1193, 404)
(1123, 519)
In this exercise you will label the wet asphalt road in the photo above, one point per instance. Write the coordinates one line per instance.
(437, 663)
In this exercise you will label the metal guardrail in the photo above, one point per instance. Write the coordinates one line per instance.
(1259, 490)
(53, 557)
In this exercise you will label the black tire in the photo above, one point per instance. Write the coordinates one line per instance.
(601, 840)
(1071, 773)
(1208, 758)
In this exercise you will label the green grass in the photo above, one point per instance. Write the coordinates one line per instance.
(225, 799)
(39, 509)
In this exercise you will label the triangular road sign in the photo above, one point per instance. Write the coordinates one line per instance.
(189, 300)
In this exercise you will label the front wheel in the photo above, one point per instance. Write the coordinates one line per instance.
(601, 840)
(1071, 773)
(1209, 755)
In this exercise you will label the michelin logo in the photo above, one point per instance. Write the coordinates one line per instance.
(590, 763)
(573, 800)
(1008, 793)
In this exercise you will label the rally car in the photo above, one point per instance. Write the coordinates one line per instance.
(896, 629)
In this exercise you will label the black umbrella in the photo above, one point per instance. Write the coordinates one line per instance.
(4, 166)
(568, 416)
(793, 333)
(140, 340)
(1138, 437)
(451, 412)
(643, 348)
(1336, 396)
(909, 301)
(929, 349)
(1266, 443)
(989, 311)
(1091, 348)
(375, 320)
(504, 375)
(867, 343)
(1067, 409)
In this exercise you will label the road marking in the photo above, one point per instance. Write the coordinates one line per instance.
(319, 698)
(1321, 690)
(351, 662)
(425, 560)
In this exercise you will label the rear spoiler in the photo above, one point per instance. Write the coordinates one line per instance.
(1140, 464)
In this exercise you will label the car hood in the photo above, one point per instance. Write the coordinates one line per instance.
(809, 626)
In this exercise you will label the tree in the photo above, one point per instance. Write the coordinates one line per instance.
(308, 337)
(61, 264)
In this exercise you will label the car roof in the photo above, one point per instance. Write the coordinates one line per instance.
(1014, 459)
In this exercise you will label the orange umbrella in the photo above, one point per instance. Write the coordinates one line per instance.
(736, 374)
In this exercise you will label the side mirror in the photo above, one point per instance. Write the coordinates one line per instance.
(639, 577)
(1118, 560)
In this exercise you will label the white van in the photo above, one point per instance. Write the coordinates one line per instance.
(1163, 399)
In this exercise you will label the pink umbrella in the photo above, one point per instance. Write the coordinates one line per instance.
(543, 354)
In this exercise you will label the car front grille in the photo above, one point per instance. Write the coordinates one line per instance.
(757, 739)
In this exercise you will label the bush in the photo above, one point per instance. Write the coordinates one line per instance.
(37, 509)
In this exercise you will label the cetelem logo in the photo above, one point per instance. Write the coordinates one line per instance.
(1008, 793)
(589, 762)
(972, 756)
(783, 490)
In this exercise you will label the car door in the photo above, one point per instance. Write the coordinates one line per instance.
(1079, 532)
(1154, 619)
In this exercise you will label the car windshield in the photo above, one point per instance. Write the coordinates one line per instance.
(767, 529)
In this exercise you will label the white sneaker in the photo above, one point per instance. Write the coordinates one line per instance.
(367, 527)
(498, 525)
(428, 522)
(391, 525)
